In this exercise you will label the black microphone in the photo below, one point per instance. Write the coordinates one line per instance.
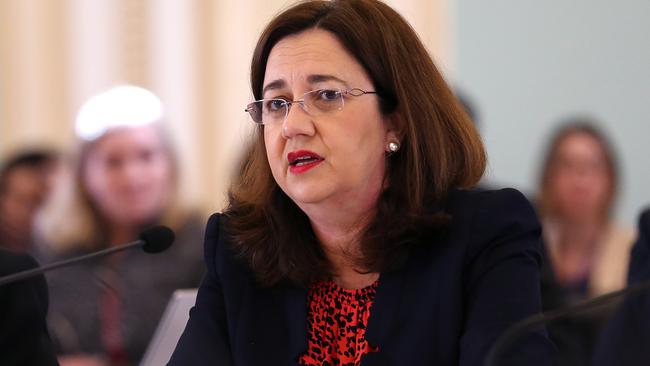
(528, 324)
(153, 240)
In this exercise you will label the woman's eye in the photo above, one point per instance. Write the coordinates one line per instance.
(113, 162)
(327, 94)
(275, 104)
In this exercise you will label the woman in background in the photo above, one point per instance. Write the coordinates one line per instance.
(587, 251)
(125, 180)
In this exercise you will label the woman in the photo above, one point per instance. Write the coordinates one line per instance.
(347, 238)
(588, 251)
(125, 179)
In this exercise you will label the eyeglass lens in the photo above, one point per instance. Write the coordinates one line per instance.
(315, 102)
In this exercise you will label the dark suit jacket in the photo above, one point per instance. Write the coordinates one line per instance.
(626, 340)
(458, 292)
(24, 339)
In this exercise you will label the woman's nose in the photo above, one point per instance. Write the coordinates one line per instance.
(297, 122)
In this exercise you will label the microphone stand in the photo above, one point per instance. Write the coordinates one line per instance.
(26, 274)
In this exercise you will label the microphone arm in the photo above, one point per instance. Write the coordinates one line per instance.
(153, 240)
(35, 271)
(532, 322)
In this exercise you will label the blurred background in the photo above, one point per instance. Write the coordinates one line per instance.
(560, 91)
(523, 65)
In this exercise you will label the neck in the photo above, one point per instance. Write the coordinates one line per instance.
(339, 240)
(354, 280)
(339, 222)
(339, 233)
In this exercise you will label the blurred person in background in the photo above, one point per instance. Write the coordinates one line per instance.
(587, 252)
(104, 312)
(26, 179)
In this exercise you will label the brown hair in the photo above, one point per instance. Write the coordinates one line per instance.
(440, 148)
(571, 127)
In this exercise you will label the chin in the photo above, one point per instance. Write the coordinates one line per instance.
(303, 195)
(143, 217)
(303, 198)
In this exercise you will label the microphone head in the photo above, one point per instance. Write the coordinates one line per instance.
(157, 239)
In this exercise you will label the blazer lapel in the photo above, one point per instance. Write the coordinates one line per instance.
(273, 330)
(296, 316)
(383, 315)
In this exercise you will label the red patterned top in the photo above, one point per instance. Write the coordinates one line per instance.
(337, 324)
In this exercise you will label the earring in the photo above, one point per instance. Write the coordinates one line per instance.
(393, 146)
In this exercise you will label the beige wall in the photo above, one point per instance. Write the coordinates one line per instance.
(194, 54)
(33, 76)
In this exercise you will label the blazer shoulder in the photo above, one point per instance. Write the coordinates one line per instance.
(219, 252)
(212, 245)
(640, 256)
(644, 223)
(492, 216)
(490, 204)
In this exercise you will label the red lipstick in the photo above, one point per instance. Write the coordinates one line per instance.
(302, 160)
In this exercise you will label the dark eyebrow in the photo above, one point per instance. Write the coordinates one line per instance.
(313, 79)
(275, 84)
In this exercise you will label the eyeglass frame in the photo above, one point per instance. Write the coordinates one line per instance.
(355, 92)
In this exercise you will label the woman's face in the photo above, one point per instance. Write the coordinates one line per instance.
(580, 182)
(128, 175)
(345, 148)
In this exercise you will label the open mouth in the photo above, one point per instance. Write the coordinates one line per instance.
(302, 160)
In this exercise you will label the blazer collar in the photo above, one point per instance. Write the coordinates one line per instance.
(385, 308)
(296, 315)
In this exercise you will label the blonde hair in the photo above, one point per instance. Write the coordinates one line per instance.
(70, 220)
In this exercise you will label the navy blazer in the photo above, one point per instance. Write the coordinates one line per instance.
(457, 293)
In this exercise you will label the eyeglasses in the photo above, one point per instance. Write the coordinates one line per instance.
(315, 103)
